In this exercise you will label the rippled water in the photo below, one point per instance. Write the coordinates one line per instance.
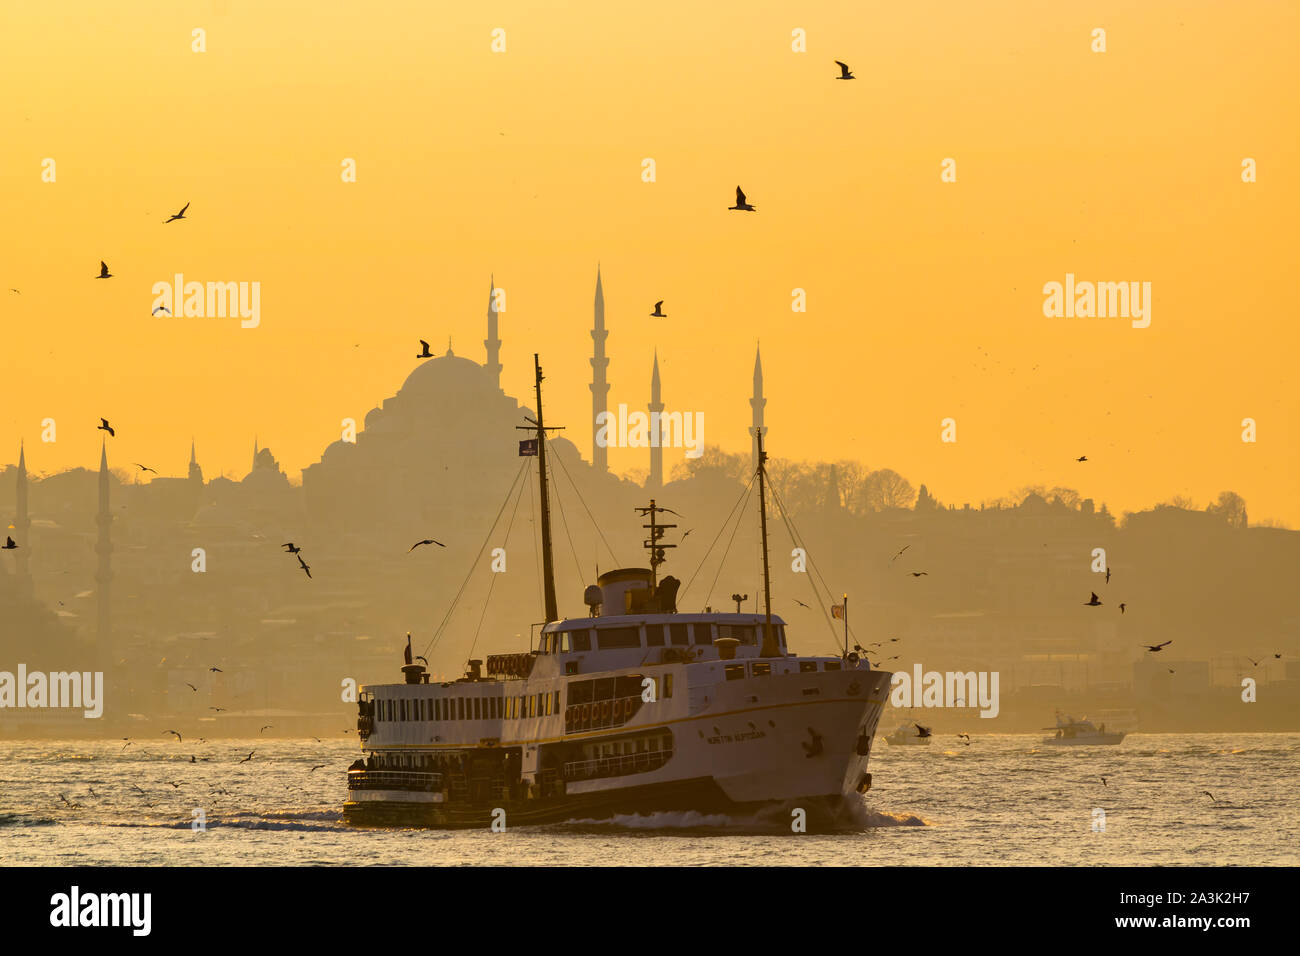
(1003, 799)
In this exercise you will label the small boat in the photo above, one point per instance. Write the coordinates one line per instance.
(909, 735)
(1071, 732)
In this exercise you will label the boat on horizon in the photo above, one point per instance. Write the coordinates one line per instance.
(635, 708)
(1071, 732)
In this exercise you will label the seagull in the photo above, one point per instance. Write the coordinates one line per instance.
(140, 466)
(174, 784)
(1104, 783)
(138, 790)
(844, 71)
(1210, 795)
(191, 687)
(658, 313)
(1253, 661)
(740, 202)
(178, 736)
(688, 534)
(1121, 608)
(317, 767)
(921, 731)
(162, 308)
(179, 215)
(1082, 458)
(9, 544)
(426, 541)
(895, 557)
(104, 426)
(917, 574)
(290, 547)
(304, 565)
(217, 709)
(216, 670)
(249, 757)
(72, 805)
(1155, 648)
(1094, 602)
(1108, 575)
(103, 271)
(426, 353)
(267, 727)
(93, 793)
(15, 290)
(1277, 657)
(800, 603)
(966, 737)
(127, 744)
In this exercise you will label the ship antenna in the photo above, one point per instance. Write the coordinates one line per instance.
(654, 544)
(769, 648)
(548, 564)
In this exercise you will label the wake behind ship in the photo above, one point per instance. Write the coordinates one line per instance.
(636, 708)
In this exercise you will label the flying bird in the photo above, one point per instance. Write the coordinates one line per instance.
(740, 202)
(1155, 648)
(1094, 601)
(267, 727)
(104, 426)
(1121, 608)
(965, 737)
(178, 736)
(191, 687)
(9, 544)
(179, 215)
(217, 709)
(1210, 795)
(921, 731)
(290, 547)
(162, 308)
(687, 534)
(917, 574)
(304, 565)
(800, 603)
(1104, 783)
(140, 466)
(895, 557)
(249, 757)
(103, 271)
(1108, 574)
(844, 71)
(317, 767)
(1255, 662)
(1082, 458)
(426, 541)
(216, 670)
(426, 353)
(658, 313)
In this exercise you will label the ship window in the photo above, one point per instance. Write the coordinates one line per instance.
(805, 666)
(654, 636)
(831, 666)
(401, 710)
(437, 709)
(668, 685)
(582, 640)
(603, 688)
(677, 635)
(703, 633)
(618, 637)
(735, 671)
(566, 643)
(478, 709)
(760, 669)
(460, 708)
(557, 701)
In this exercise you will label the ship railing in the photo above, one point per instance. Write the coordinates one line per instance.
(600, 714)
(394, 780)
(617, 765)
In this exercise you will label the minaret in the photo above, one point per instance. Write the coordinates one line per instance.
(599, 387)
(493, 363)
(757, 403)
(656, 430)
(21, 522)
(104, 547)
(196, 473)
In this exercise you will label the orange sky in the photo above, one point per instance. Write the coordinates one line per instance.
(1116, 166)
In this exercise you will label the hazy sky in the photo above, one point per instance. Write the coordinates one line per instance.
(1115, 166)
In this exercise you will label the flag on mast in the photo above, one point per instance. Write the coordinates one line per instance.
(837, 611)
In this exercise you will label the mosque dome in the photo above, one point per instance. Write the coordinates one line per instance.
(447, 375)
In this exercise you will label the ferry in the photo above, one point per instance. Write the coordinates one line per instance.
(634, 708)
(1071, 732)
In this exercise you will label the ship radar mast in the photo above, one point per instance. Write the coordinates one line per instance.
(548, 564)
(769, 647)
(654, 544)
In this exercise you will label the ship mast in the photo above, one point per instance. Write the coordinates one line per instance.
(769, 648)
(548, 564)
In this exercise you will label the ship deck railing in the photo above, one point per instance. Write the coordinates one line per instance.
(617, 765)
(394, 780)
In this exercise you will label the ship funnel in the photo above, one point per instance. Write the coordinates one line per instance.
(475, 671)
(625, 591)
